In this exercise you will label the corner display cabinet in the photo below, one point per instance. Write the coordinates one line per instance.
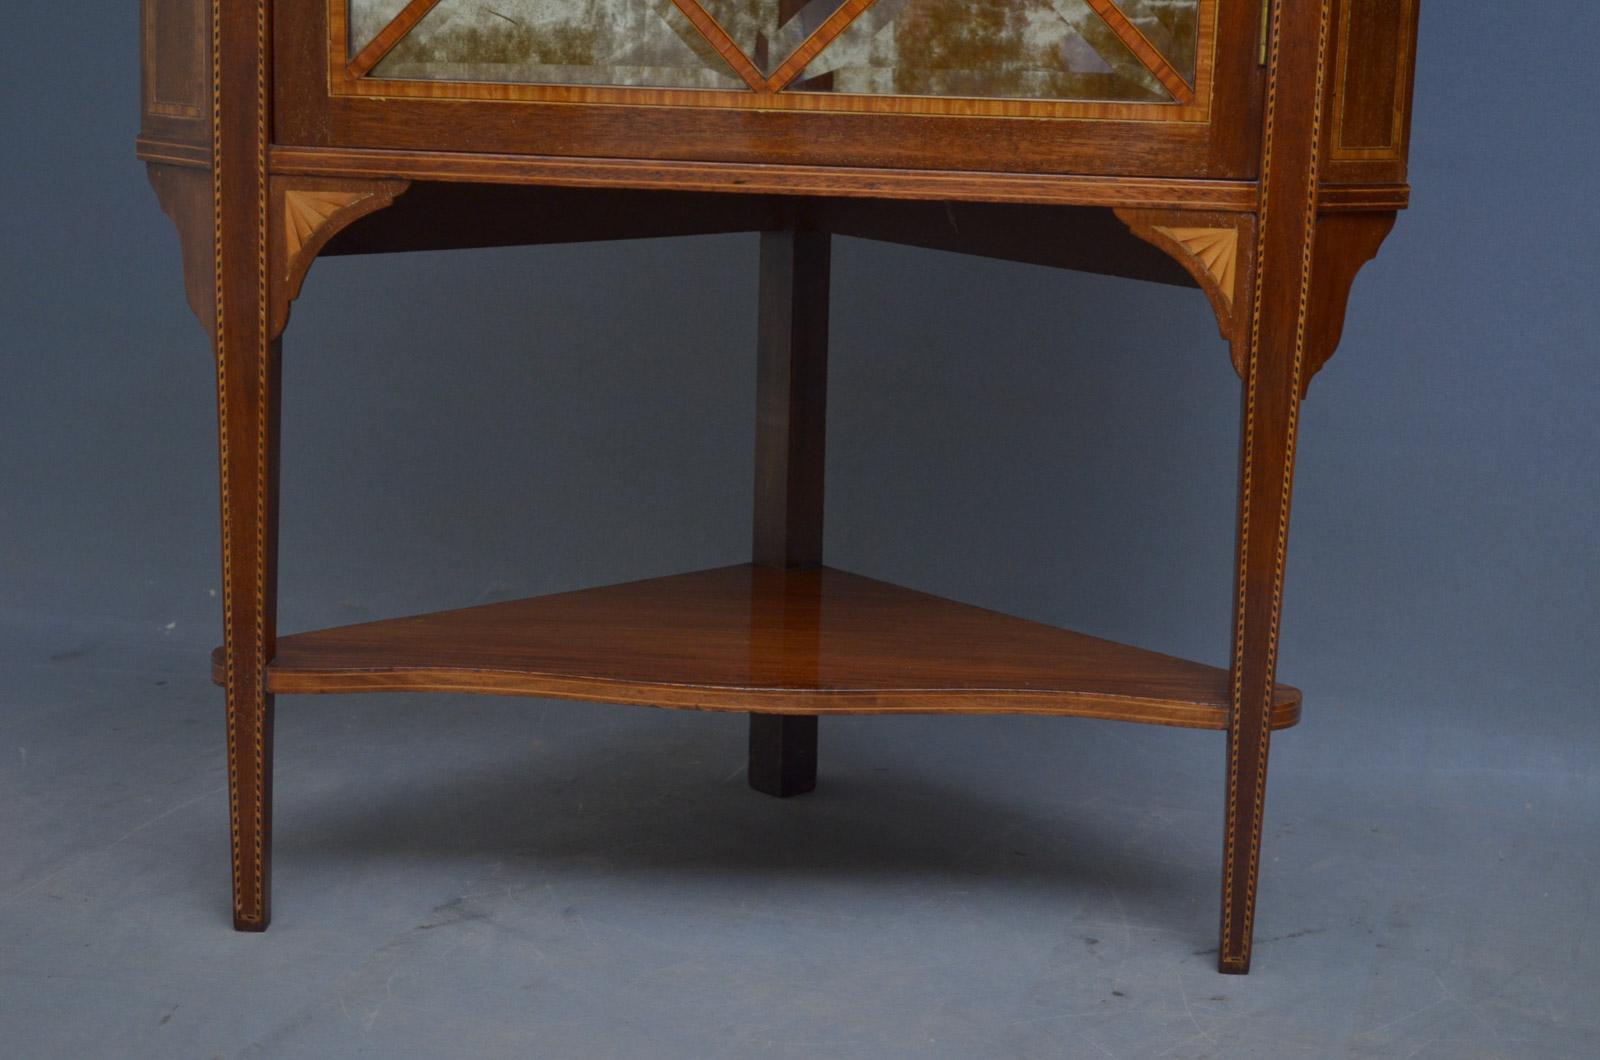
(1254, 149)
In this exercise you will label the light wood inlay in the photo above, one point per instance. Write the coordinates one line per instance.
(307, 215)
(175, 59)
(1370, 103)
(1241, 192)
(825, 35)
(1216, 249)
(1213, 247)
(306, 211)
(713, 32)
(1143, 50)
(389, 36)
(1190, 103)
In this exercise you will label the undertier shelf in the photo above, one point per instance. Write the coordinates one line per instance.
(758, 639)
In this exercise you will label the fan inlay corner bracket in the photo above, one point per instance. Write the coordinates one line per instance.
(306, 214)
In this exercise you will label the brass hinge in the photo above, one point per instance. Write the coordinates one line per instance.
(1266, 29)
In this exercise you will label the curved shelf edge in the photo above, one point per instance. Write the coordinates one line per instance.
(1286, 708)
(753, 640)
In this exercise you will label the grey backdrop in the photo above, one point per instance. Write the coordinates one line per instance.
(462, 427)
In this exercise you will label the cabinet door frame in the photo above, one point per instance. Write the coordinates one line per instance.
(1214, 136)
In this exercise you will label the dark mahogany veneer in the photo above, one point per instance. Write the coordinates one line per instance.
(1254, 149)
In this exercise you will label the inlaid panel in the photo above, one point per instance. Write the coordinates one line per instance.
(1024, 49)
(1374, 47)
(1142, 52)
(176, 64)
(565, 42)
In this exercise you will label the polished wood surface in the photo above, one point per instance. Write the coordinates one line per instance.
(1274, 349)
(744, 638)
(791, 398)
(1267, 182)
(943, 30)
(248, 384)
(385, 40)
(309, 213)
(1217, 249)
(317, 105)
(1375, 47)
(774, 178)
(790, 459)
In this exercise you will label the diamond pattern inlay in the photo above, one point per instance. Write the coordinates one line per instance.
(769, 31)
(644, 43)
(1114, 50)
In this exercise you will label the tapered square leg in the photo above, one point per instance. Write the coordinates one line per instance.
(783, 754)
(248, 395)
(1283, 339)
(250, 810)
(245, 266)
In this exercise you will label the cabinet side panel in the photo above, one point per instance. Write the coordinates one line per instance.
(175, 46)
(1375, 46)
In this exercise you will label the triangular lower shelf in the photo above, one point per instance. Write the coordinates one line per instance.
(757, 639)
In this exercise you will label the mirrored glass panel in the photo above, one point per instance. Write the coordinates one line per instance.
(367, 17)
(645, 43)
(1139, 51)
(768, 31)
(1173, 26)
(1012, 49)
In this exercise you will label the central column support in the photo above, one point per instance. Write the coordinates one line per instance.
(791, 414)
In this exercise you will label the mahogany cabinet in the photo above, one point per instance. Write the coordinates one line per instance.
(1253, 149)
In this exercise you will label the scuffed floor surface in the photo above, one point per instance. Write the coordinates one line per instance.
(472, 877)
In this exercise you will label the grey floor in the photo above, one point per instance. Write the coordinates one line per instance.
(463, 877)
(478, 877)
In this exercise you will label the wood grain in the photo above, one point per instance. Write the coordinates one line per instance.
(820, 38)
(175, 59)
(1345, 242)
(316, 105)
(305, 214)
(854, 181)
(384, 41)
(185, 195)
(1274, 347)
(753, 638)
(1373, 79)
(261, 156)
(305, 210)
(248, 385)
(791, 461)
(712, 31)
(1217, 249)
(1214, 250)
(1191, 103)
(1143, 50)
(791, 398)
(1369, 92)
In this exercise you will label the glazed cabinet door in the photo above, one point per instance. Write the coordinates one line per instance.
(1133, 87)
(1001, 57)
